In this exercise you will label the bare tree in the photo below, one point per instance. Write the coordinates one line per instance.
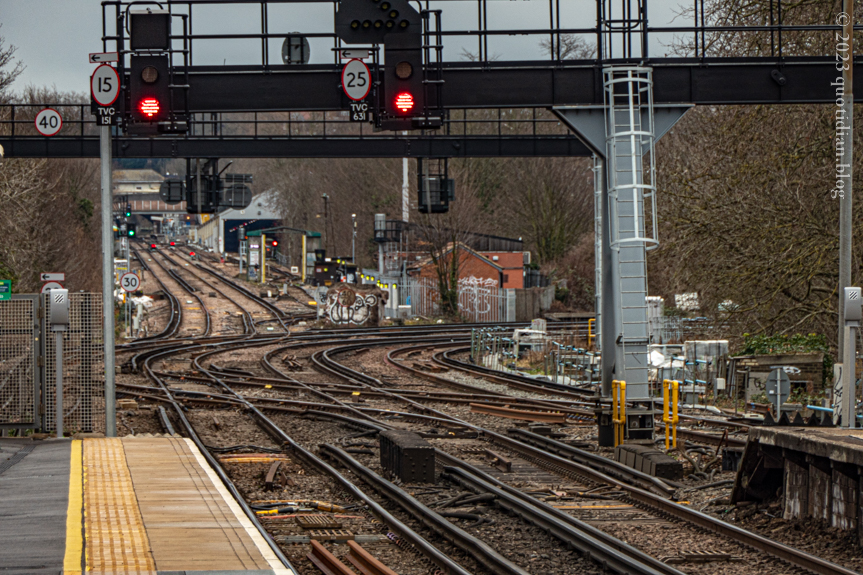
(748, 222)
(48, 204)
(9, 68)
(568, 47)
(444, 237)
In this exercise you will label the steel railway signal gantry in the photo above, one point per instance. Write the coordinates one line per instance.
(155, 92)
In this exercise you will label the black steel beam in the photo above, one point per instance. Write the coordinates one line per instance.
(370, 147)
(526, 84)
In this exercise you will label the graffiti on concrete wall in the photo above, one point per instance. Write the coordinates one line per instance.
(345, 306)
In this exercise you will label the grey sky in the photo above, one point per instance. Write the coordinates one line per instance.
(54, 37)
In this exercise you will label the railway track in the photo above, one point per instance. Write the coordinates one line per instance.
(199, 313)
(576, 497)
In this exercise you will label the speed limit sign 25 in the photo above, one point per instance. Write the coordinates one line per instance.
(130, 282)
(356, 80)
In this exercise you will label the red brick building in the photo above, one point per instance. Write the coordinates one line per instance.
(491, 269)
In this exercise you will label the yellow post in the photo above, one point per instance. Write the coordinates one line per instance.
(614, 420)
(303, 258)
(590, 337)
(618, 409)
(622, 427)
(263, 258)
(666, 419)
(674, 412)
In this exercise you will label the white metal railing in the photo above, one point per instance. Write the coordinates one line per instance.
(478, 300)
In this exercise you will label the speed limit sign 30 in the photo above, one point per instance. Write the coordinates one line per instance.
(130, 282)
(48, 122)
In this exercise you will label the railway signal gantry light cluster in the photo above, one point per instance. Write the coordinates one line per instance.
(404, 93)
(398, 26)
(152, 96)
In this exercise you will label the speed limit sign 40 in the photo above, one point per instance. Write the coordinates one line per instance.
(48, 122)
(130, 282)
(356, 79)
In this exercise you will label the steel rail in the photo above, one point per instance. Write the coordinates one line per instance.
(791, 555)
(599, 546)
(278, 314)
(586, 464)
(183, 284)
(564, 405)
(248, 323)
(471, 545)
(507, 378)
(659, 502)
(214, 464)
(345, 373)
(708, 438)
(326, 561)
(441, 560)
(276, 270)
(173, 325)
(520, 414)
(365, 562)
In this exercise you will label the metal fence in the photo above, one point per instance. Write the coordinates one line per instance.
(27, 370)
(83, 367)
(19, 351)
(478, 301)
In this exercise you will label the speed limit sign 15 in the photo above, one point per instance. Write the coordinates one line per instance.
(356, 79)
(105, 85)
(48, 122)
(130, 282)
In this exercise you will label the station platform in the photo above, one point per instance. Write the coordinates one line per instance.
(130, 505)
(817, 472)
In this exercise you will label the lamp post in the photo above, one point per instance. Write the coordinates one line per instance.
(326, 222)
(354, 239)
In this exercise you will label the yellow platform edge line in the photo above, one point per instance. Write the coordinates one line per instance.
(74, 513)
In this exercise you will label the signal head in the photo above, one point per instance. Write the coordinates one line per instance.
(149, 106)
(404, 102)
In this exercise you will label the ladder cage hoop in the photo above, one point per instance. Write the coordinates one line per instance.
(630, 130)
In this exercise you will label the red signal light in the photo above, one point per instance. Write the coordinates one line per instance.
(275, 243)
(149, 107)
(153, 246)
(405, 102)
(192, 253)
(172, 243)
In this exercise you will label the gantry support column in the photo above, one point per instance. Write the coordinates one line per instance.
(622, 134)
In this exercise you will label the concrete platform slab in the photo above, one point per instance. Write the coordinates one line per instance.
(34, 494)
(833, 443)
(131, 505)
(816, 472)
